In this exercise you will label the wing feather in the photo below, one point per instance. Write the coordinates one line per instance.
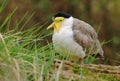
(86, 36)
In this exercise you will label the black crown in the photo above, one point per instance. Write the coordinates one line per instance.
(62, 14)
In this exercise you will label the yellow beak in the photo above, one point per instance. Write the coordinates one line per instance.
(55, 25)
(50, 26)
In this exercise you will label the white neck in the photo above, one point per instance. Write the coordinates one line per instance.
(67, 22)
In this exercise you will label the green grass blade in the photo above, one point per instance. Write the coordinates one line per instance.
(3, 5)
(7, 18)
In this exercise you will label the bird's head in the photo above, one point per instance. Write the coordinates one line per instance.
(58, 18)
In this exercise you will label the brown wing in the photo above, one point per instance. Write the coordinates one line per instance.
(86, 36)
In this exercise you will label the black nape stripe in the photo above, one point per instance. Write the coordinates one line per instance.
(62, 14)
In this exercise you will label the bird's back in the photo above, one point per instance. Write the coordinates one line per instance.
(86, 36)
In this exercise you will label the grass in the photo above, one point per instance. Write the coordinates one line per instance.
(24, 58)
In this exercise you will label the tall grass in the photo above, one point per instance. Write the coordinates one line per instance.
(22, 56)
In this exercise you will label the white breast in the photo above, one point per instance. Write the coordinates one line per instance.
(63, 40)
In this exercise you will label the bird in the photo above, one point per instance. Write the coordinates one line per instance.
(74, 36)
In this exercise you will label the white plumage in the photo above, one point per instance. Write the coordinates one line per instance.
(63, 40)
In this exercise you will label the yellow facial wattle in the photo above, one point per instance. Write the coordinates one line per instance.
(56, 24)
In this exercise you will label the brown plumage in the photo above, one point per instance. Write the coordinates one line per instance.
(86, 36)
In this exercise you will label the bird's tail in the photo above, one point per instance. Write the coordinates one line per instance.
(100, 52)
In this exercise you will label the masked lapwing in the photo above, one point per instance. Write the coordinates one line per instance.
(74, 36)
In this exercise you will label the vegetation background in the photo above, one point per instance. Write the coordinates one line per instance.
(103, 14)
(26, 55)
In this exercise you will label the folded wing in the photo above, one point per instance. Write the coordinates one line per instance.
(86, 36)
